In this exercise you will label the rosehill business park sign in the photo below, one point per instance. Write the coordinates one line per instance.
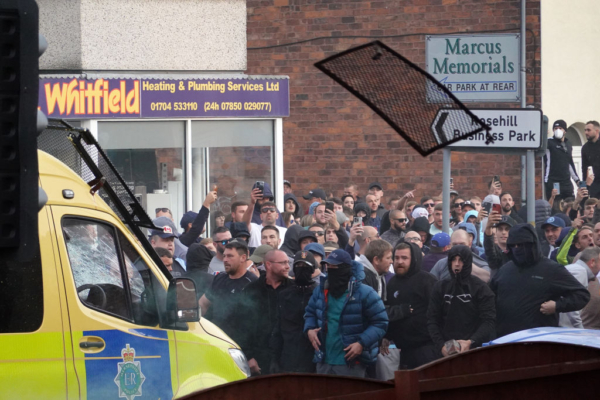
(512, 130)
(476, 68)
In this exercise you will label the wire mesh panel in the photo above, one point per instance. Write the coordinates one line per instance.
(404, 95)
(78, 149)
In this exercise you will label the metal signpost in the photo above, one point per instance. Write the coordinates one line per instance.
(514, 131)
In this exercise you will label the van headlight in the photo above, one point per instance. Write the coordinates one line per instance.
(240, 360)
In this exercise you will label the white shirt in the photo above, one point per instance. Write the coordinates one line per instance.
(573, 319)
(216, 265)
(256, 231)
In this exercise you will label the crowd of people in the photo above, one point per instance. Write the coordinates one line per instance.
(349, 286)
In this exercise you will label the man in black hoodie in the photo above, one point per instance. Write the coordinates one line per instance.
(462, 307)
(260, 303)
(408, 294)
(532, 290)
(292, 351)
(198, 260)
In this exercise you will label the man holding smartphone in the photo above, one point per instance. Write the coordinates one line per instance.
(590, 158)
(558, 163)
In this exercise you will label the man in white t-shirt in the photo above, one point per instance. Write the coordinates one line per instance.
(268, 216)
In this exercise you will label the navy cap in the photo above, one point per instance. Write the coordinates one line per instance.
(440, 240)
(320, 193)
(338, 257)
(316, 248)
(375, 184)
(168, 228)
(188, 218)
(165, 233)
(554, 221)
(506, 220)
(306, 257)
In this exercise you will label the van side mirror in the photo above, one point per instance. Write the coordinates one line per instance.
(182, 303)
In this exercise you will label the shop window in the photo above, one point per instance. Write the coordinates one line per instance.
(149, 155)
(231, 155)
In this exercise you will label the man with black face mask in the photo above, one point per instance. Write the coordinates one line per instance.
(462, 307)
(532, 290)
(558, 163)
(292, 351)
(344, 319)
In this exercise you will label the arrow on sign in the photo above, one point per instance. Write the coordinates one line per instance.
(450, 125)
(439, 126)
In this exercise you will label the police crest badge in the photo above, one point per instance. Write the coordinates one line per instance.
(129, 378)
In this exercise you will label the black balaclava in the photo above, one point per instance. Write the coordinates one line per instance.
(303, 274)
(338, 279)
(523, 255)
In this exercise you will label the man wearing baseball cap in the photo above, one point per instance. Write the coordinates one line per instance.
(376, 189)
(558, 163)
(496, 251)
(316, 195)
(287, 187)
(440, 245)
(293, 351)
(178, 250)
(552, 228)
(344, 319)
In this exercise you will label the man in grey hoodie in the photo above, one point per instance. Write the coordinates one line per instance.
(376, 260)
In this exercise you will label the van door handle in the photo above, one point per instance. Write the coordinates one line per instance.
(91, 344)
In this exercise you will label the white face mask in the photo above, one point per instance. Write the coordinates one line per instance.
(558, 134)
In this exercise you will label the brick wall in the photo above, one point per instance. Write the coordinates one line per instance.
(331, 138)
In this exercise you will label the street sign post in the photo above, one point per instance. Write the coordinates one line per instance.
(513, 131)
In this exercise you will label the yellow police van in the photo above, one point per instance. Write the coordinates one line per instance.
(95, 314)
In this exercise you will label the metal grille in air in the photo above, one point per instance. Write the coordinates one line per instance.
(404, 95)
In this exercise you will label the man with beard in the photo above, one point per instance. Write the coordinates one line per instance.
(224, 297)
(590, 157)
(291, 349)
(221, 237)
(396, 232)
(531, 289)
(462, 307)
(344, 319)
(260, 308)
(408, 294)
(507, 203)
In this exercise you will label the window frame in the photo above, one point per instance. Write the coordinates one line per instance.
(122, 268)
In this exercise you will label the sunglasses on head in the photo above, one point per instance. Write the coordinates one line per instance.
(162, 210)
(428, 204)
(268, 209)
(458, 205)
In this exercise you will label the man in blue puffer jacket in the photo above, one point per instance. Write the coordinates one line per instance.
(344, 319)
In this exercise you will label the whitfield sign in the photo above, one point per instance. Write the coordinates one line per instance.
(476, 68)
(77, 98)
